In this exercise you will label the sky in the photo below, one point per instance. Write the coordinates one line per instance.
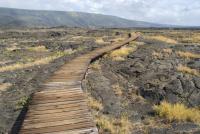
(176, 12)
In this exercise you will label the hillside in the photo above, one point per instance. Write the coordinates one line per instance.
(33, 18)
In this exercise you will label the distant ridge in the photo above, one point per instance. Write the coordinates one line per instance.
(10, 17)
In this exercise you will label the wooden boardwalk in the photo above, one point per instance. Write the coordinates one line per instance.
(60, 107)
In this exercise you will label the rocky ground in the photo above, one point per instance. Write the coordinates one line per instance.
(146, 77)
(122, 93)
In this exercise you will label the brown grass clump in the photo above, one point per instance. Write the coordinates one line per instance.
(5, 86)
(163, 39)
(112, 125)
(121, 53)
(187, 54)
(41, 61)
(105, 123)
(94, 104)
(38, 49)
(167, 50)
(12, 48)
(187, 70)
(118, 39)
(157, 55)
(117, 89)
(95, 66)
(99, 41)
(178, 112)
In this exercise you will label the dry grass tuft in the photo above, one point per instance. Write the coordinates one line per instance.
(167, 51)
(105, 123)
(178, 112)
(118, 39)
(121, 53)
(22, 102)
(95, 66)
(38, 49)
(163, 39)
(95, 104)
(117, 89)
(187, 54)
(123, 125)
(41, 61)
(187, 70)
(5, 86)
(12, 48)
(99, 41)
(157, 55)
(112, 125)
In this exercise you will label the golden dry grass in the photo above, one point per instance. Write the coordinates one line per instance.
(37, 62)
(38, 49)
(112, 125)
(162, 38)
(99, 41)
(94, 104)
(104, 123)
(121, 53)
(123, 125)
(157, 55)
(117, 89)
(5, 86)
(95, 66)
(12, 48)
(187, 54)
(185, 69)
(118, 39)
(167, 50)
(177, 112)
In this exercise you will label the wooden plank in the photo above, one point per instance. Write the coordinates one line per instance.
(78, 131)
(57, 118)
(79, 98)
(58, 114)
(58, 103)
(59, 106)
(65, 128)
(60, 110)
(56, 123)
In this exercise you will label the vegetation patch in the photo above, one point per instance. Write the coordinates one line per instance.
(163, 39)
(4, 86)
(95, 65)
(38, 49)
(22, 102)
(177, 112)
(12, 48)
(120, 54)
(117, 89)
(112, 125)
(157, 55)
(167, 51)
(99, 41)
(41, 61)
(187, 54)
(185, 69)
(95, 104)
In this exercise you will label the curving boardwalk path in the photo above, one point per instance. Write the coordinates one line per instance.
(61, 106)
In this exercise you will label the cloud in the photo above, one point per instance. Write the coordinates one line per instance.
(180, 12)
